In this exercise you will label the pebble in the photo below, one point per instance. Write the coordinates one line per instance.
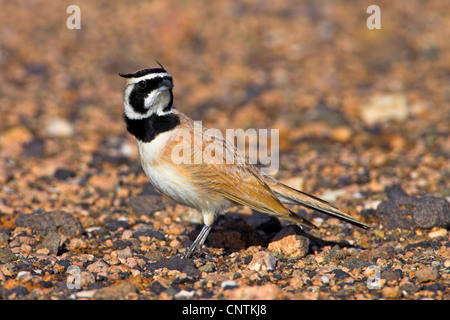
(86, 294)
(55, 221)
(427, 274)
(175, 263)
(325, 279)
(6, 255)
(184, 294)
(439, 233)
(86, 278)
(391, 292)
(352, 263)
(99, 267)
(208, 267)
(51, 242)
(153, 256)
(332, 195)
(262, 260)
(447, 263)
(408, 212)
(115, 292)
(228, 284)
(407, 287)
(60, 128)
(15, 135)
(385, 252)
(384, 107)
(289, 245)
(147, 204)
(341, 134)
(121, 254)
(268, 291)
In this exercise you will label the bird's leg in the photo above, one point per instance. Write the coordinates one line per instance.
(198, 242)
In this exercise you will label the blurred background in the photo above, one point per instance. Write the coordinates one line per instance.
(357, 109)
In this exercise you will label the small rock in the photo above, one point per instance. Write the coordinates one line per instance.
(6, 255)
(77, 243)
(339, 274)
(447, 263)
(434, 287)
(184, 294)
(156, 287)
(122, 254)
(51, 242)
(352, 263)
(208, 267)
(175, 263)
(288, 243)
(385, 252)
(57, 221)
(435, 245)
(325, 279)
(59, 128)
(99, 267)
(384, 107)
(341, 134)
(391, 292)
(147, 204)
(154, 256)
(15, 135)
(86, 294)
(268, 291)
(63, 174)
(403, 211)
(86, 278)
(439, 233)
(332, 195)
(391, 275)
(148, 231)
(262, 260)
(115, 292)
(17, 291)
(117, 224)
(4, 237)
(34, 148)
(407, 287)
(228, 284)
(427, 274)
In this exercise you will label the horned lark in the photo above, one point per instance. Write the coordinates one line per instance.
(209, 186)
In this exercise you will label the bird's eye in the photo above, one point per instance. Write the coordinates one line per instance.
(142, 84)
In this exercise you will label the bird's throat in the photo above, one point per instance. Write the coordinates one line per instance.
(147, 129)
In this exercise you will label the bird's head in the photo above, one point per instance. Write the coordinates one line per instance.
(148, 92)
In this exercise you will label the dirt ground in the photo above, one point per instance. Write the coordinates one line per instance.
(363, 118)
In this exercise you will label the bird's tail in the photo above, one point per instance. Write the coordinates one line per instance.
(290, 195)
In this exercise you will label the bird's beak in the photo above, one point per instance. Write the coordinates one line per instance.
(166, 85)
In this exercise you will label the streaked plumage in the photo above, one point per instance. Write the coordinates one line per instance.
(211, 185)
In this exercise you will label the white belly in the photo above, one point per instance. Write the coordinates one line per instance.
(168, 180)
(164, 176)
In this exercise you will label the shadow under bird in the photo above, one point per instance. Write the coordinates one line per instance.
(210, 186)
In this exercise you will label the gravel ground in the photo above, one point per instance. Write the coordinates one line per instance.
(363, 117)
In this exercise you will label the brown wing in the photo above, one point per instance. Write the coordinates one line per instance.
(233, 178)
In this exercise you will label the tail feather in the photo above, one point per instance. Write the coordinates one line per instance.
(290, 195)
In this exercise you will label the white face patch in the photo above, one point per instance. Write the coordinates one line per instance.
(156, 101)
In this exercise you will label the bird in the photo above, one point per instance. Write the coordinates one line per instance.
(211, 186)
